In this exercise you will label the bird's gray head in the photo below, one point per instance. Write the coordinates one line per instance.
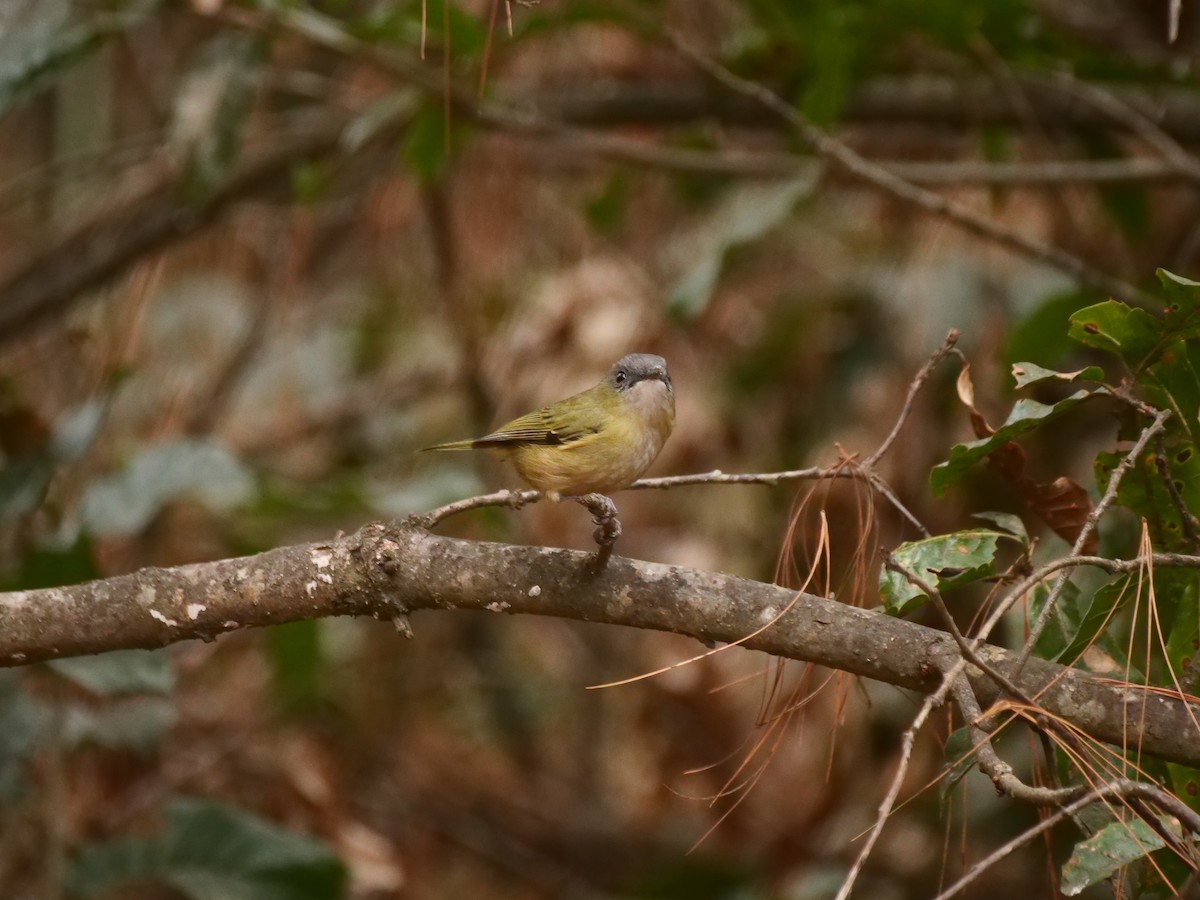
(638, 367)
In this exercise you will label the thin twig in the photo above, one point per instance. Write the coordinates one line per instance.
(1016, 843)
(571, 147)
(966, 647)
(913, 389)
(909, 740)
(1089, 526)
(510, 499)
(518, 499)
(771, 479)
(1070, 800)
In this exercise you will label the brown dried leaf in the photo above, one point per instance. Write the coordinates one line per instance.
(965, 388)
(966, 393)
(1064, 505)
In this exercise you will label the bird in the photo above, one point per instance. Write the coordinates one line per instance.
(595, 442)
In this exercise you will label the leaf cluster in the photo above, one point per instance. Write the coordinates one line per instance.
(1139, 625)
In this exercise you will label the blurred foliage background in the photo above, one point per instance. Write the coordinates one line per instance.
(254, 254)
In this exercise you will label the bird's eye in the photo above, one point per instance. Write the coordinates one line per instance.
(622, 378)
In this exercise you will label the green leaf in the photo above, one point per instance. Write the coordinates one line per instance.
(945, 561)
(24, 481)
(1027, 373)
(1042, 334)
(1026, 415)
(120, 672)
(1113, 847)
(210, 851)
(1171, 383)
(137, 724)
(53, 567)
(22, 486)
(1129, 206)
(960, 759)
(1144, 491)
(833, 60)
(1183, 640)
(468, 33)
(1129, 332)
(1105, 604)
(1185, 784)
(996, 142)
(45, 39)
(695, 877)
(297, 661)
(310, 182)
(1063, 624)
(1005, 522)
(606, 210)
(1182, 312)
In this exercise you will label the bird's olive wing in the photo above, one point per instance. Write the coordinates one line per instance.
(549, 426)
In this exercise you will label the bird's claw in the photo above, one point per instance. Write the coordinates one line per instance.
(608, 526)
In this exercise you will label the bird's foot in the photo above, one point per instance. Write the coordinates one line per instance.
(608, 526)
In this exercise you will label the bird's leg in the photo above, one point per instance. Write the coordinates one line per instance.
(608, 526)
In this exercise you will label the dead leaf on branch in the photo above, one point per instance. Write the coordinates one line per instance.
(1063, 503)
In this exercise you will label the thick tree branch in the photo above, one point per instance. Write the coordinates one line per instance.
(387, 570)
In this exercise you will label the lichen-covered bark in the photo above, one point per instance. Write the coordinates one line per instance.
(387, 570)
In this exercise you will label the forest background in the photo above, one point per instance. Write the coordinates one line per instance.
(254, 255)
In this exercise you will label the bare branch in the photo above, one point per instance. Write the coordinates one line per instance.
(913, 389)
(938, 101)
(384, 569)
(573, 147)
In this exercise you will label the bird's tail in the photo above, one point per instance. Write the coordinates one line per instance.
(452, 445)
